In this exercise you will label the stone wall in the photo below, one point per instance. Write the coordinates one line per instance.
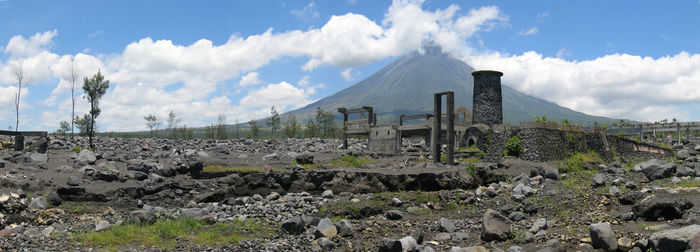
(382, 139)
(546, 144)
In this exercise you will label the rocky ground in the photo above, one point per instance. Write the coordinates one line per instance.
(312, 195)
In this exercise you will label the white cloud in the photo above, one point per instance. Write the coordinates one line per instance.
(252, 78)
(280, 95)
(18, 46)
(307, 13)
(617, 85)
(95, 34)
(347, 74)
(532, 31)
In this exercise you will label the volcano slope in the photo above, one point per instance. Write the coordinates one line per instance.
(309, 194)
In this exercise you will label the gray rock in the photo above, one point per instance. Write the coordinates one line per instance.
(495, 226)
(55, 199)
(344, 228)
(602, 236)
(552, 245)
(272, 196)
(87, 156)
(396, 202)
(514, 249)
(539, 224)
(598, 180)
(516, 216)
(195, 213)
(142, 217)
(459, 236)
(256, 197)
(529, 207)
(614, 191)
(47, 231)
(271, 157)
(326, 244)
(32, 232)
(38, 203)
(523, 189)
(102, 225)
(304, 159)
(394, 215)
(294, 225)
(684, 171)
(551, 173)
(390, 245)
(675, 180)
(39, 157)
(657, 169)
(446, 225)
(675, 239)
(73, 181)
(408, 243)
(683, 154)
(652, 207)
(326, 229)
(327, 194)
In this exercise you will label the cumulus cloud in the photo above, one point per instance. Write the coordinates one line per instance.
(18, 46)
(347, 74)
(617, 85)
(280, 95)
(252, 78)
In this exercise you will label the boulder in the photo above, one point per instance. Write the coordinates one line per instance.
(394, 215)
(55, 199)
(102, 225)
(73, 181)
(304, 159)
(598, 180)
(142, 216)
(551, 173)
(446, 225)
(539, 224)
(681, 239)
(326, 244)
(657, 169)
(38, 203)
(390, 245)
(652, 207)
(602, 236)
(326, 229)
(327, 194)
(495, 226)
(87, 156)
(294, 225)
(344, 228)
(396, 202)
(408, 243)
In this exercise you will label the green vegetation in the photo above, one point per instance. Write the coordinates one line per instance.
(577, 162)
(350, 161)
(306, 166)
(75, 207)
(687, 184)
(78, 148)
(471, 169)
(665, 146)
(513, 147)
(163, 233)
(218, 168)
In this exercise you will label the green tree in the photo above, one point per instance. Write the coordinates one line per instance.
(152, 123)
(94, 89)
(325, 124)
(82, 123)
(565, 122)
(172, 123)
(63, 127)
(311, 129)
(291, 127)
(254, 128)
(274, 121)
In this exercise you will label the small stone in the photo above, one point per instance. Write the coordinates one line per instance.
(539, 224)
(675, 180)
(514, 249)
(102, 225)
(48, 231)
(273, 196)
(32, 232)
(38, 203)
(598, 180)
(625, 243)
(73, 181)
(55, 199)
(613, 191)
(326, 244)
(516, 216)
(394, 215)
(327, 194)
(446, 225)
(551, 173)
(257, 197)
(396, 202)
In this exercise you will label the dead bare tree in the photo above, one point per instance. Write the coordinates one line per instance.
(21, 79)
(73, 76)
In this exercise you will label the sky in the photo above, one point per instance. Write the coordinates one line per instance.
(636, 60)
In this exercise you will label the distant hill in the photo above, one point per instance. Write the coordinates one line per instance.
(407, 85)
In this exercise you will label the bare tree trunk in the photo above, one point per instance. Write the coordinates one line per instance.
(72, 97)
(19, 77)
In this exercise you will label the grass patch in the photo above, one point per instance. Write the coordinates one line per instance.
(687, 184)
(350, 161)
(665, 146)
(163, 233)
(74, 207)
(471, 169)
(306, 166)
(218, 169)
(577, 162)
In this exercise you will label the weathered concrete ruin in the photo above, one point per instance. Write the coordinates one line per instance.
(41, 143)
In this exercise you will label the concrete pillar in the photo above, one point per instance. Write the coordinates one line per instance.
(488, 100)
(397, 150)
(437, 114)
(641, 133)
(19, 143)
(345, 136)
(679, 132)
(450, 127)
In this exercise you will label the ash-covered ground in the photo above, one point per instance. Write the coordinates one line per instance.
(312, 195)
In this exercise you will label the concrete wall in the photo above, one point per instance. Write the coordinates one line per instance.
(631, 149)
(383, 139)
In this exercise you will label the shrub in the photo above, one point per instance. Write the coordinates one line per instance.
(471, 169)
(513, 147)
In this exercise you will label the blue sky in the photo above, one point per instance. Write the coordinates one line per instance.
(623, 59)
